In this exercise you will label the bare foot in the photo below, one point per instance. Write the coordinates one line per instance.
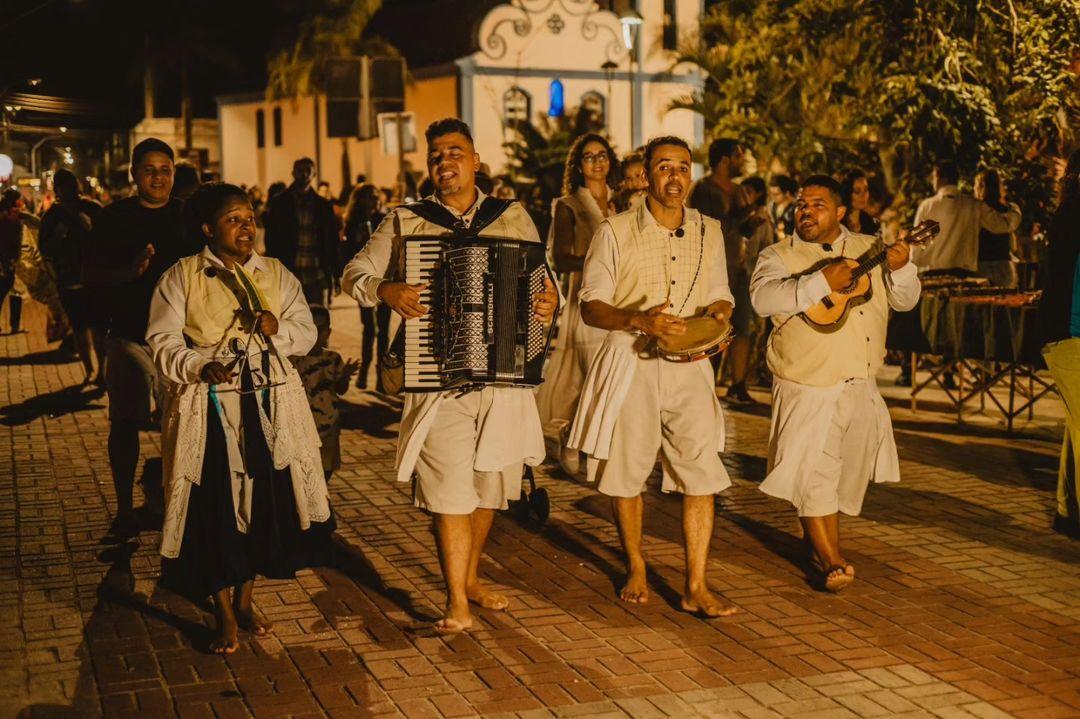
(455, 621)
(479, 594)
(705, 603)
(251, 621)
(225, 642)
(636, 589)
(839, 576)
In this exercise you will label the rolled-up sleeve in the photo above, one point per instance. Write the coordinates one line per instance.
(165, 330)
(774, 291)
(1000, 222)
(371, 265)
(601, 267)
(296, 330)
(903, 287)
(719, 289)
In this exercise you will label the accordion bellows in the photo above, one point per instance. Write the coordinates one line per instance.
(479, 329)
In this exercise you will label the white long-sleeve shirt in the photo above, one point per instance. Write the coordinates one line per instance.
(512, 431)
(783, 286)
(165, 330)
(961, 217)
(773, 291)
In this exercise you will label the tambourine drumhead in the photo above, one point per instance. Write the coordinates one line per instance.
(701, 334)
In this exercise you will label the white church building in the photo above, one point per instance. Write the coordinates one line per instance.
(514, 60)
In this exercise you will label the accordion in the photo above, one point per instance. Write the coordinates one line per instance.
(479, 329)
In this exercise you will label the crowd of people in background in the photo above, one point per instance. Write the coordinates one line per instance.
(75, 238)
(315, 232)
(144, 290)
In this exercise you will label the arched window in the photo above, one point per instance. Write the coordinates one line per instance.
(277, 127)
(556, 99)
(517, 105)
(260, 129)
(592, 102)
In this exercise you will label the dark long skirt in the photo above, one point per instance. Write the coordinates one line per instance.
(214, 554)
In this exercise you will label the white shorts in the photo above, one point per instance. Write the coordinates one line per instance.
(446, 481)
(670, 409)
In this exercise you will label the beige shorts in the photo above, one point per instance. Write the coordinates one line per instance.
(446, 481)
(131, 380)
(669, 409)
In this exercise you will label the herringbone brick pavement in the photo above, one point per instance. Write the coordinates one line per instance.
(966, 605)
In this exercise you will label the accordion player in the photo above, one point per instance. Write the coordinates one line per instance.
(480, 328)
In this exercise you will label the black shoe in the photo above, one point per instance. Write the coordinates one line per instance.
(1065, 525)
(948, 382)
(123, 527)
(904, 380)
(738, 395)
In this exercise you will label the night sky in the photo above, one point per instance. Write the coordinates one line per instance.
(94, 49)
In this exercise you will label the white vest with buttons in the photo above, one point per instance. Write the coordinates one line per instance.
(656, 264)
(799, 353)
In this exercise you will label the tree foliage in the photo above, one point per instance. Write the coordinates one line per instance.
(893, 86)
(536, 154)
(334, 28)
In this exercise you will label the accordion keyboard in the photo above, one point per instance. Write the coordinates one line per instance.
(422, 260)
(479, 329)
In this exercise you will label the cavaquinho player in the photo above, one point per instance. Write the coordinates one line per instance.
(830, 432)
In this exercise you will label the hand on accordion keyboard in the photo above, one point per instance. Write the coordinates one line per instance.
(545, 303)
(403, 298)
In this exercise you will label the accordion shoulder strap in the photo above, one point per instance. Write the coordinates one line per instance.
(489, 211)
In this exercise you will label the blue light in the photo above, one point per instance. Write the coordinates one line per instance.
(555, 93)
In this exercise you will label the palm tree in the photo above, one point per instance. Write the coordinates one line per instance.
(335, 31)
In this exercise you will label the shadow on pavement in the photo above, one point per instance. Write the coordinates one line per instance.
(372, 417)
(349, 560)
(77, 398)
(983, 460)
(745, 466)
(896, 504)
(45, 357)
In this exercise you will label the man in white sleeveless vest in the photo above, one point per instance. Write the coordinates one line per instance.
(830, 432)
(467, 451)
(647, 270)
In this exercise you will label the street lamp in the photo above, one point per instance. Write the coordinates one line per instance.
(38, 144)
(631, 21)
(609, 68)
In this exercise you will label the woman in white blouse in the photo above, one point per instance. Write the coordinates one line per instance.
(589, 181)
(245, 488)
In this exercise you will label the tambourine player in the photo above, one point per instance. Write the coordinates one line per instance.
(648, 271)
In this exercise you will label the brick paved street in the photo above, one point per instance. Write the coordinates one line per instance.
(966, 605)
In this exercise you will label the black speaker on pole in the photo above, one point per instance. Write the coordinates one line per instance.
(342, 82)
(386, 83)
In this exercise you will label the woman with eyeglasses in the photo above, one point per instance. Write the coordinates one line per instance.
(589, 182)
(245, 491)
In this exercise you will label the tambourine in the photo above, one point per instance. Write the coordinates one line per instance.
(704, 337)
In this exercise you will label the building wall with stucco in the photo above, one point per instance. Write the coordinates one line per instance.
(524, 46)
